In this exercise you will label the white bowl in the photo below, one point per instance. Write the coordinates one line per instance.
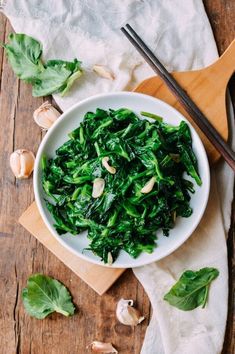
(137, 102)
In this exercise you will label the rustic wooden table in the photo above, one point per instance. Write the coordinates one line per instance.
(21, 255)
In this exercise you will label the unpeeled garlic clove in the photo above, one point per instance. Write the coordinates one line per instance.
(101, 347)
(45, 115)
(106, 165)
(98, 187)
(148, 186)
(103, 71)
(127, 314)
(22, 163)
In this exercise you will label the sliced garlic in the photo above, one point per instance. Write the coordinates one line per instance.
(98, 187)
(106, 165)
(175, 157)
(100, 347)
(103, 71)
(127, 314)
(174, 216)
(110, 258)
(148, 186)
(45, 115)
(22, 163)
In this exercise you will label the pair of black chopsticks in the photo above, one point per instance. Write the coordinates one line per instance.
(196, 114)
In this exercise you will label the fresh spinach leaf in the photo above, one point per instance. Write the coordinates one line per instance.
(192, 289)
(24, 55)
(44, 295)
(55, 76)
(58, 76)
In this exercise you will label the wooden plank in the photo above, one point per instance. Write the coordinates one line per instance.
(22, 255)
(97, 277)
(3, 21)
(9, 282)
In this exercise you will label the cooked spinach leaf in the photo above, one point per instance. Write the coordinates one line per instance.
(192, 289)
(44, 295)
(24, 54)
(124, 216)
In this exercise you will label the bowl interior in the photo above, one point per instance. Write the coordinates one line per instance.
(70, 120)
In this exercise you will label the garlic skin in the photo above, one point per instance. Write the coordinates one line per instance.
(106, 165)
(100, 347)
(103, 71)
(46, 115)
(127, 314)
(148, 186)
(98, 187)
(22, 163)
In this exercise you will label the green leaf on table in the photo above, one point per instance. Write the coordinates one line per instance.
(192, 289)
(58, 76)
(24, 54)
(44, 295)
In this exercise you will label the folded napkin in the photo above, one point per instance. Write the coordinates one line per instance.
(180, 34)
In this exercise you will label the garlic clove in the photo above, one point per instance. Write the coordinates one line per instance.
(22, 163)
(98, 187)
(106, 165)
(127, 314)
(103, 71)
(46, 115)
(110, 258)
(148, 186)
(101, 347)
(175, 157)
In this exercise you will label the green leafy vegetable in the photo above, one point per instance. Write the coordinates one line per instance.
(124, 216)
(24, 54)
(151, 115)
(44, 295)
(192, 289)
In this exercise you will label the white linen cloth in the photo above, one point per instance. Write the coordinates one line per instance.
(180, 34)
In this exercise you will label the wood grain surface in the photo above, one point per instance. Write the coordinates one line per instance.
(21, 255)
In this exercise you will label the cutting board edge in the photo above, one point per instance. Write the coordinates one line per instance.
(118, 271)
(139, 89)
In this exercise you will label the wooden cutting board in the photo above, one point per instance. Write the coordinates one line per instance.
(97, 277)
(207, 88)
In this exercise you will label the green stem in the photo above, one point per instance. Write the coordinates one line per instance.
(81, 135)
(206, 297)
(97, 148)
(151, 115)
(65, 313)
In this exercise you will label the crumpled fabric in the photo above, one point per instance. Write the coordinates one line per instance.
(180, 34)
